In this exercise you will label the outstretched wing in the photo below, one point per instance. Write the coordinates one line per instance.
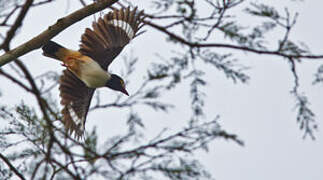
(76, 98)
(110, 35)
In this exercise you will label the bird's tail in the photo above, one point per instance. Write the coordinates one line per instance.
(56, 51)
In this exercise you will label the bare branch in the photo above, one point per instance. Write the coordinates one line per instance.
(4, 22)
(13, 79)
(55, 29)
(82, 2)
(230, 46)
(12, 168)
(11, 33)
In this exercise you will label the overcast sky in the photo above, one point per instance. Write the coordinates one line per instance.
(261, 113)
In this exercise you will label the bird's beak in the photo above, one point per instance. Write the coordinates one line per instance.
(124, 91)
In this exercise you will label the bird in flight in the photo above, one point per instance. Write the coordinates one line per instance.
(87, 68)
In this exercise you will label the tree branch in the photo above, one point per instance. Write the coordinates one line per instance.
(13, 79)
(230, 46)
(53, 30)
(18, 22)
(12, 168)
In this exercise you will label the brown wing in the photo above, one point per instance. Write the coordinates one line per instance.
(110, 35)
(76, 98)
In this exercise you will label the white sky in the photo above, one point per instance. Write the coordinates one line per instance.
(261, 112)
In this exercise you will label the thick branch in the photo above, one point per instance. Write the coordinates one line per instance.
(53, 30)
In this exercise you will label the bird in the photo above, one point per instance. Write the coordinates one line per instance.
(87, 69)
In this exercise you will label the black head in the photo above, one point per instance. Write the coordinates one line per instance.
(51, 48)
(116, 83)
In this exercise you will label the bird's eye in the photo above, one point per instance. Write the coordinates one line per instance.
(122, 83)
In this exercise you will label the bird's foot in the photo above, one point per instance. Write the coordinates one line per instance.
(64, 65)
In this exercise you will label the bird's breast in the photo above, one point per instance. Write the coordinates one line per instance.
(87, 70)
(93, 75)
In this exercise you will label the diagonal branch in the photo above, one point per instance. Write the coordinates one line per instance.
(13, 79)
(12, 168)
(18, 22)
(55, 29)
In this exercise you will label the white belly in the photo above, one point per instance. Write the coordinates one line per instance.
(93, 75)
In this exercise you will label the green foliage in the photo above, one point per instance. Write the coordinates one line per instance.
(263, 10)
(319, 75)
(305, 117)
(90, 145)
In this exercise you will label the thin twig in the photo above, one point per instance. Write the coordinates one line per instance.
(230, 46)
(12, 168)
(18, 22)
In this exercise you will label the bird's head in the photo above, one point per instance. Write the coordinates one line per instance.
(116, 83)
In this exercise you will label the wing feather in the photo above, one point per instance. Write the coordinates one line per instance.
(110, 35)
(75, 98)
